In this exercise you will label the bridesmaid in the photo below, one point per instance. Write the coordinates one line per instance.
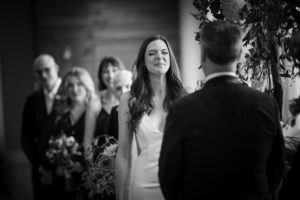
(122, 83)
(77, 97)
(107, 70)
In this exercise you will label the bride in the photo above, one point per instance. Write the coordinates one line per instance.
(142, 115)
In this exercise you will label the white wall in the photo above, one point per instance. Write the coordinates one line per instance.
(189, 47)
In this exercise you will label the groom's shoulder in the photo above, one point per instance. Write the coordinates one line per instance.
(253, 93)
(187, 101)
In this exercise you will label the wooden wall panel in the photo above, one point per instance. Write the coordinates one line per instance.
(94, 29)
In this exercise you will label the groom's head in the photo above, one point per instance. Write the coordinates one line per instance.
(221, 42)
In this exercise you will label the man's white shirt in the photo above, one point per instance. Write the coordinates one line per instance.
(218, 74)
(50, 96)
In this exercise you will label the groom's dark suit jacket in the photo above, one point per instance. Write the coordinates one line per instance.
(222, 142)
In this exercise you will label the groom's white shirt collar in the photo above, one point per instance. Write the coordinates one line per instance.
(218, 74)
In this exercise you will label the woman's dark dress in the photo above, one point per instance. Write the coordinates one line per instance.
(64, 125)
(102, 122)
(102, 129)
(112, 126)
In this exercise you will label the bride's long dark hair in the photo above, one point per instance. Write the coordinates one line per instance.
(141, 91)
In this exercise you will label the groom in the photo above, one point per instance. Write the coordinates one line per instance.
(224, 141)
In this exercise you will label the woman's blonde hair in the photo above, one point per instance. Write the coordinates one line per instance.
(83, 76)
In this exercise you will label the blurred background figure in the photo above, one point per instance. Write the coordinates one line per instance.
(121, 84)
(37, 110)
(77, 95)
(291, 181)
(291, 131)
(107, 69)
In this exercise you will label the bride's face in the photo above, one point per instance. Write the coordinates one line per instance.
(157, 57)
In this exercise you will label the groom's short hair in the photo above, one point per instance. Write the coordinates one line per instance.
(222, 41)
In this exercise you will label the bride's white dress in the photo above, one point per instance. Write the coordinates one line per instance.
(143, 182)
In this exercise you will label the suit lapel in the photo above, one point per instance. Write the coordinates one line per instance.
(40, 110)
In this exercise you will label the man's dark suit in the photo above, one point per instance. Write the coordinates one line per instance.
(33, 122)
(222, 142)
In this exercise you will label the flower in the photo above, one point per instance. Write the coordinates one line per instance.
(110, 150)
(65, 152)
(70, 141)
(99, 176)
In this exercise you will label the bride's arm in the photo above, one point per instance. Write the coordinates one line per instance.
(92, 111)
(123, 157)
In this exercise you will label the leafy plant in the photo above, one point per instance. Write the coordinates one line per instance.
(267, 27)
(99, 178)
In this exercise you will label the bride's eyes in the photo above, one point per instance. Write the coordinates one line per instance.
(155, 53)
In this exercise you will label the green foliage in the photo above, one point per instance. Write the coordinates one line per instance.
(267, 27)
(266, 23)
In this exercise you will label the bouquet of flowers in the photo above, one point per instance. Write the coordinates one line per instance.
(65, 152)
(98, 179)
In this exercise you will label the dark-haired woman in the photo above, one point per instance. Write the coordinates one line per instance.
(107, 69)
(142, 115)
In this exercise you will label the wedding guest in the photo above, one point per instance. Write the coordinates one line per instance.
(37, 110)
(142, 115)
(107, 68)
(121, 84)
(291, 131)
(77, 93)
(290, 184)
(289, 189)
(223, 141)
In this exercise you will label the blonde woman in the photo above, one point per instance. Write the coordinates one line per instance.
(76, 116)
